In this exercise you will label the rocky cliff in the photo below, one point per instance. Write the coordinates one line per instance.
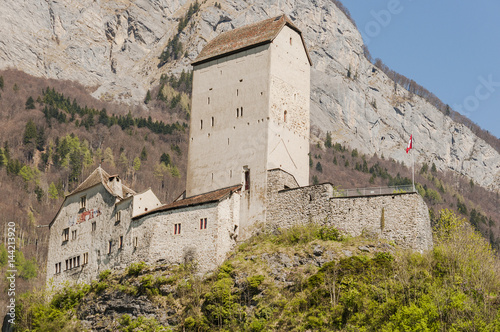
(113, 48)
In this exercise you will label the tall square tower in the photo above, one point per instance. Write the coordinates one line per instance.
(250, 113)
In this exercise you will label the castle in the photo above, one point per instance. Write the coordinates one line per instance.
(248, 166)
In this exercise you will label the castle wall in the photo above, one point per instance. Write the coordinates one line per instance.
(288, 143)
(406, 217)
(234, 92)
(100, 209)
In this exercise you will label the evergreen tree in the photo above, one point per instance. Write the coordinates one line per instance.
(30, 103)
(144, 154)
(40, 139)
(108, 157)
(30, 133)
(165, 158)
(328, 142)
(148, 97)
(137, 163)
(53, 193)
(3, 161)
(123, 160)
(319, 168)
(433, 168)
(75, 161)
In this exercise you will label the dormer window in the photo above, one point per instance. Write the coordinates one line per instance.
(83, 202)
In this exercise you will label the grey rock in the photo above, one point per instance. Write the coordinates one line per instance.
(347, 253)
(318, 250)
(364, 248)
(115, 45)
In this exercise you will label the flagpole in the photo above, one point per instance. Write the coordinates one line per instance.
(412, 168)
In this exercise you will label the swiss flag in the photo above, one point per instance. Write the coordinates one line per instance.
(410, 144)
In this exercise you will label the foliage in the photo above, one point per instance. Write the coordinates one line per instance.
(136, 268)
(127, 324)
(319, 168)
(26, 268)
(328, 141)
(148, 98)
(137, 163)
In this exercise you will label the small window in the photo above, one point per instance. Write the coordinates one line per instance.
(208, 101)
(70, 263)
(177, 229)
(121, 242)
(73, 235)
(237, 112)
(237, 92)
(213, 121)
(78, 261)
(203, 223)
(136, 242)
(67, 265)
(228, 141)
(65, 234)
(284, 116)
(290, 40)
(241, 111)
(94, 226)
(247, 179)
(110, 245)
(85, 258)
(58, 268)
(83, 202)
(118, 216)
(201, 124)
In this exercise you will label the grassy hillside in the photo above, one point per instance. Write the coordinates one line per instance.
(308, 278)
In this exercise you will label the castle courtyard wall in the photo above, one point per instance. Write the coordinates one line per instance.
(405, 218)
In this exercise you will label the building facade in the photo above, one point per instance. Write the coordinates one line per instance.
(248, 166)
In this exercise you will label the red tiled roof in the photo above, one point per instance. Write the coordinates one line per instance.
(213, 196)
(246, 37)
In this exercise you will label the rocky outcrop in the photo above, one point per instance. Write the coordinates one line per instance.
(113, 48)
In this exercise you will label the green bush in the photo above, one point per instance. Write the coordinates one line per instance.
(136, 268)
(104, 275)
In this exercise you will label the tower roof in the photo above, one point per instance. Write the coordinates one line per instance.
(246, 37)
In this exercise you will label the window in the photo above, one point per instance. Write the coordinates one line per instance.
(77, 261)
(237, 92)
(67, 266)
(213, 121)
(121, 242)
(65, 234)
(290, 40)
(110, 244)
(94, 226)
(237, 112)
(201, 124)
(118, 216)
(241, 111)
(208, 101)
(247, 179)
(58, 268)
(85, 258)
(203, 223)
(284, 116)
(73, 235)
(83, 202)
(136, 242)
(177, 229)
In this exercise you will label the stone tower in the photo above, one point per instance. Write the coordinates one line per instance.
(250, 113)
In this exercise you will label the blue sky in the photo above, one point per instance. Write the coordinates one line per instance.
(452, 48)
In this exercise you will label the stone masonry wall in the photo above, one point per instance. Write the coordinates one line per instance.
(406, 218)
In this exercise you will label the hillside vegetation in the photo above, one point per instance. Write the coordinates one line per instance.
(53, 134)
(308, 278)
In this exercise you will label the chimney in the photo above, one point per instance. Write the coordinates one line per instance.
(115, 185)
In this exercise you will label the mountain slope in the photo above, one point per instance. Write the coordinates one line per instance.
(114, 48)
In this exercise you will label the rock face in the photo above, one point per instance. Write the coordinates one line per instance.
(113, 47)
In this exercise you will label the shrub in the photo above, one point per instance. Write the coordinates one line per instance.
(104, 275)
(136, 268)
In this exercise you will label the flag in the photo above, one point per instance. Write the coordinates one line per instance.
(410, 144)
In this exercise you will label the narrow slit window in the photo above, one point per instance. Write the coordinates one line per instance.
(201, 124)
(241, 111)
(237, 112)
(213, 121)
(94, 226)
(136, 242)
(121, 242)
(208, 101)
(83, 202)
(247, 179)
(110, 245)
(237, 92)
(284, 116)
(118, 216)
